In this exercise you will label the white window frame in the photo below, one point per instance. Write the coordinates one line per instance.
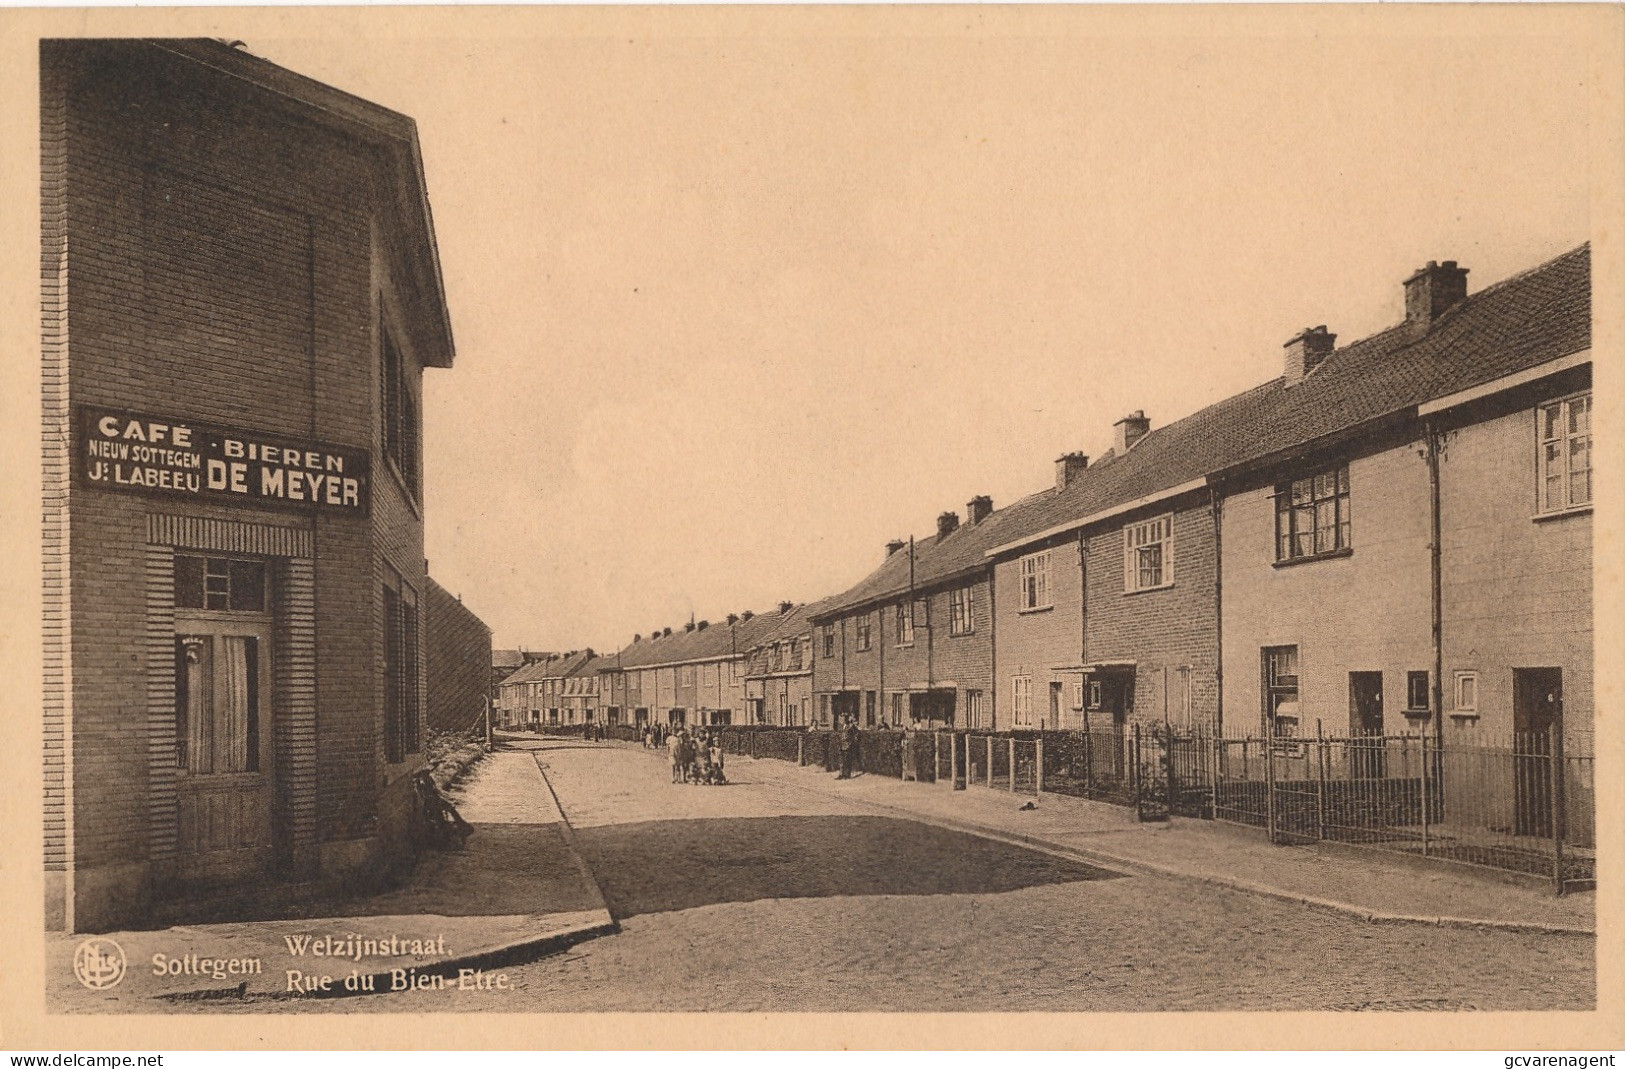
(1464, 696)
(864, 639)
(904, 613)
(826, 638)
(1021, 701)
(962, 611)
(1034, 577)
(1563, 440)
(1140, 539)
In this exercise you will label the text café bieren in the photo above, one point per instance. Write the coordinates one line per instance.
(122, 450)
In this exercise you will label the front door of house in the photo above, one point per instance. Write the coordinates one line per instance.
(224, 752)
(1365, 725)
(1117, 701)
(1537, 703)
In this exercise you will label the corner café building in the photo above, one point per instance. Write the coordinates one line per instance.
(241, 291)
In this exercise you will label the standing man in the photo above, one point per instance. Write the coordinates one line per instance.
(849, 747)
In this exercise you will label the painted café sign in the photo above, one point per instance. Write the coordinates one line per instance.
(149, 454)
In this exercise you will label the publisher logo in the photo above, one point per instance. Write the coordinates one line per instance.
(98, 963)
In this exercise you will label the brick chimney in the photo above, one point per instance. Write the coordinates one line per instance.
(786, 606)
(1128, 430)
(1431, 292)
(1068, 467)
(894, 545)
(978, 509)
(947, 524)
(1305, 352)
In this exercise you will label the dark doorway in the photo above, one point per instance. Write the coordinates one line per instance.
(676, 717)
(1054, 721)
(932, 708)
(1537, 703)
(845, 704)
(1365, 726)
(1117, 703)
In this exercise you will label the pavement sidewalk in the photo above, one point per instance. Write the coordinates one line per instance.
(518, 885)
(1367, 884)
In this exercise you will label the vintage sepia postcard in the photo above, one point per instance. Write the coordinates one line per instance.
(656, 526)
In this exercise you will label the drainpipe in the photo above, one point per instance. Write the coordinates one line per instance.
(1436, 566)
(993, 657)
(1216, 505)
(1083, 599)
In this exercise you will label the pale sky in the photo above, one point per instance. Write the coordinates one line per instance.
(733, 311)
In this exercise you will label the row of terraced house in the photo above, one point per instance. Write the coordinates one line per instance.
(1391, 537)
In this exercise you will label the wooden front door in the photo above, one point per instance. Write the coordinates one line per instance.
(1537, 702)
(224, 749)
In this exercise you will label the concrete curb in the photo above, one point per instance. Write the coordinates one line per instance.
(1149, 868)
(570, 839)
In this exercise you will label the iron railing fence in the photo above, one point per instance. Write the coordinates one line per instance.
(1524, 802)
(1521, 802)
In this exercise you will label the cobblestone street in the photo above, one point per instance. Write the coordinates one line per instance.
(764, 896)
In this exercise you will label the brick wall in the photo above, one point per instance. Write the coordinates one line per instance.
(1033, 643)
(218, 257)
(1170, 633)
(457, 661)
(935, 659)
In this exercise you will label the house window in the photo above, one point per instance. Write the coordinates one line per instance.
(905, 623)
(823, 708)
(1034, 582)
(962, 610)
(1021, 693)
(866, 628)
(1565, 454)
(685, 676)
(1077, 694)
(897, 701)
(1312, 515)
(398, 411)
(218, 583)
(1466, 692)
(870, 704)
(1092, 695)
(402, 697)
(826, 634)
(1417, 699)
(1148, 554)
(1281, 689)
(778, 656)
(973, 708)
(784, 708)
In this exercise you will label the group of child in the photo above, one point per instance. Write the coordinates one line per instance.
(695, 758)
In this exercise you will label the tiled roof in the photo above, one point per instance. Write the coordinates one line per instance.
(506, 659)
(793, 624)
(555, 667)
(702, 644)
(1519, 323)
